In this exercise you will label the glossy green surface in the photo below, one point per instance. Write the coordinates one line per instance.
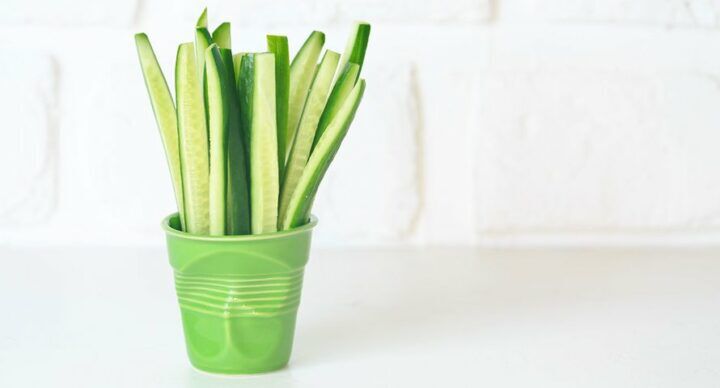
(238, 296)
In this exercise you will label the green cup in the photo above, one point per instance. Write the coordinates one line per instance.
(238, 296)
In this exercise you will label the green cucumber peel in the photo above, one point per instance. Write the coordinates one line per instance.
(302, 71)
(302, 199)
(237, 211)
(202, 20)
(356, 47)
(341, 90)
(302, 144)
(243, 85)
(278, 45)
(193, 141)
(163, 108)
(221, 35)
(257, 102)
(237, 63)
(218, 108)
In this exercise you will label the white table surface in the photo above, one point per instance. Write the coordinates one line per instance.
(107, 317)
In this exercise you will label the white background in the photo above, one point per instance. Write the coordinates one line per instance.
(484, 122)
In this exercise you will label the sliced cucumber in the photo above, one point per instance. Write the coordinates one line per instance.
(192, 134)
(203, 40)
(314, 106)
(202, 20)
(302, 199)
(341, 90)
(237, 63)
(218, 113)
(165, 115)
(302, 70)
(356, 47)
(278, 45)
(238, 197)
(221, 36)
(244, 89)
(257, 102)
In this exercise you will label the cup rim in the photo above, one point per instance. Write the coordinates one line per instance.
(169, 230)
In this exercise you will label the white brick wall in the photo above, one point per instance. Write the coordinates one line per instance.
(491, 122)
(28, 150)
(671, 13)
(68, 13)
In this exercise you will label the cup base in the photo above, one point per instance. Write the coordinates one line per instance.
(236, 373)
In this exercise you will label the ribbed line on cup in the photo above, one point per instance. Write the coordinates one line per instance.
(230, 296)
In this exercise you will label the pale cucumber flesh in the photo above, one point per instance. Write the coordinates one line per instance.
(302, 199)
(302, 144)
(193, 142)
(202, 20)
(258, 99)
(165, 115)
(203, 40)
(222, 37)
(341, 90)
(302, 71)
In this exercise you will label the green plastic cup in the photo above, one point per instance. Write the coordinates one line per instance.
(238, 296)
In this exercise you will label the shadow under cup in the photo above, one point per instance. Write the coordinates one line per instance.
(238, 296)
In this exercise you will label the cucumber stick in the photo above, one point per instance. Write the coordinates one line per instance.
(302, 71)
(314, 106)
(302, 199)
(193, 141)
(218, 108)
(356, 47)
(341, 90)
(278, 45)
(165, 115)
(237, 63)
(202, 20)
(237, 211)
(203, 40)
(221, 36)
(257, 104)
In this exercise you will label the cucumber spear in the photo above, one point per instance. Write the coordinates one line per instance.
(300, 152)
(302, 71)
(257, 103)
(218, 100)
(298, 210)
(193, 141)
(165, 115)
